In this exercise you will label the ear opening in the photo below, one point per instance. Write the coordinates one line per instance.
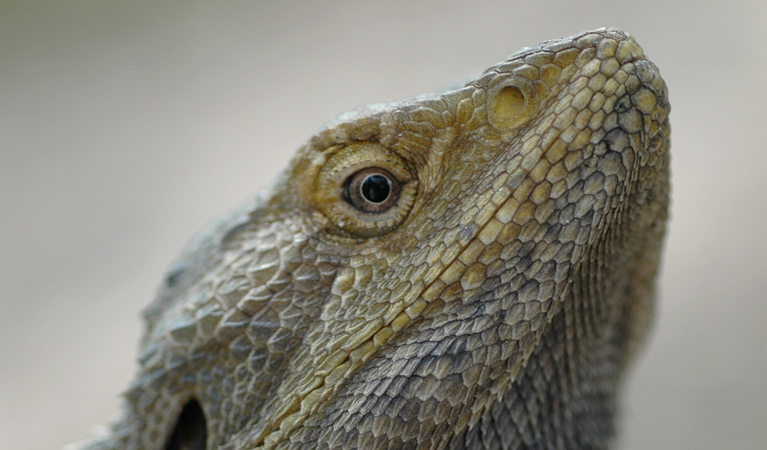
(190, 432)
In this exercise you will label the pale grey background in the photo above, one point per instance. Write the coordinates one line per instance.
(125, 126)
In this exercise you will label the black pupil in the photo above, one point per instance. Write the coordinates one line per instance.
(375, 188)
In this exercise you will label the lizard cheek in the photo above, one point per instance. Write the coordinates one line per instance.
(190, 432)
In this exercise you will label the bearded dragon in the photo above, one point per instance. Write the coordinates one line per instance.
(472, 269)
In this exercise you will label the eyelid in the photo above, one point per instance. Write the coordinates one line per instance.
(331, 184)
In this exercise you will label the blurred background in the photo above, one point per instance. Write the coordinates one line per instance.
(126, 126)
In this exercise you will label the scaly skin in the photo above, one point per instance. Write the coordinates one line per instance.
(493, 304)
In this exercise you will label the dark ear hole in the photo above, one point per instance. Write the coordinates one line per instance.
(190, 432)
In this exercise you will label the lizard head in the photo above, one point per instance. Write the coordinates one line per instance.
(467, 268)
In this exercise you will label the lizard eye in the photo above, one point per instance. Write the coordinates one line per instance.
(373, 190)
(365, 189)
